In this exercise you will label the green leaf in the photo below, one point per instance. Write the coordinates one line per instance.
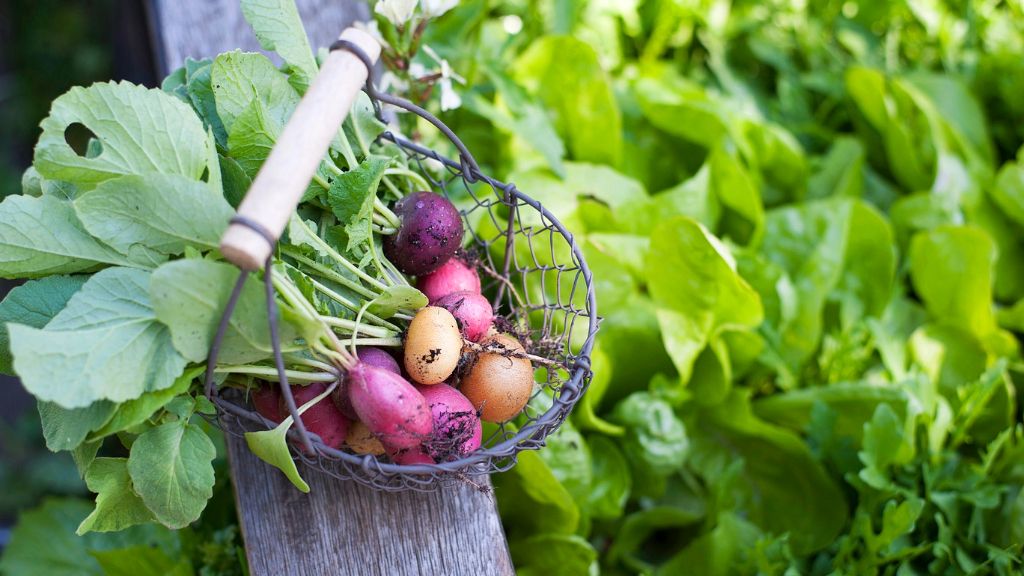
(134, 412)
(553, 555)
(189, 297)
(142, 131)
(951, 269)
(742, 210)
(840, 172)
(164, 213)
(142, 561)
(65, 429)
(171, 468)
(585, 415)
(1008, 192)
(44, 541)
(271, 446)
(252, 137)
(693, 282)
(682, 108)
(719, 552)
(199, 90)
(532, 501)
(568, 457)
(34, 304)
(656, 441)
(885, 445)
(395, 298)
(565, 74)
(351, 198)
(611, 483)
(853, 403)
(780, 487)
(106, 344)
(241, 78)
(639, 527)
(42, 236)
(278, 28)
(117, 505)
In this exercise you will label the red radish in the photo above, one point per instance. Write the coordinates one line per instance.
(472, 312)
(408, 456)
(453, 276)
(389, 406)
(370, 356)
(430, 233)
(379, 358)
(267, 401)
(457, 428)
(323, 418)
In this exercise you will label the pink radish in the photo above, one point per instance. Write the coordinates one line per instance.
(267, 401)
(370, 356)
(453, 276)
(323, 418)
(472, 312)
(389, 406)
(457, 428)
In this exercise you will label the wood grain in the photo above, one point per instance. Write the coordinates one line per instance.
(340, 527)
(345, 528)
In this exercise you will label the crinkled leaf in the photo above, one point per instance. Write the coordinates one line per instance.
(106, 344)
(117, 504)
(351, 198)
(885, 444)
(252, 136)
(142, 131)
(164, 213)
(43, 236)
(656, 440)
(171, 468)
(398, 297)
(239, 78)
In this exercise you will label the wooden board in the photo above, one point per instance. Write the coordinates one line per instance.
(339, 527)
(345, 528)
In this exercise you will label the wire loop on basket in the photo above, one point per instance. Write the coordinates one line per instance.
(538, 288)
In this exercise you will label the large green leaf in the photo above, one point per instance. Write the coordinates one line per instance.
(780, 487)
(65, 429)
(553, 555)
(951, 269)
(171, 468)
(106, 344)
(117, 504)
(189, 297)
(696, 289)
(43, 236)
(279, 29)
(134, 412)
(34, 304)
(239, 78)
(164, 213)
(564, 73)
(141, 131)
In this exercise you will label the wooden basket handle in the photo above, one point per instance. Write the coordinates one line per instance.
(284, 177)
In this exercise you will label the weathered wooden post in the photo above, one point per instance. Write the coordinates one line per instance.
(340, 527)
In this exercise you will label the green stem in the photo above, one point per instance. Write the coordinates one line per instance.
(381, 208)
(351, 305)
(391, 186)
(396, 341)
(271, 373)
(355, 327)
(295, 359)
(337, 257)
(409, 174)
(326, 272)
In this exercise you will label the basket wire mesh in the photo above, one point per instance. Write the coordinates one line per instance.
(542, 291)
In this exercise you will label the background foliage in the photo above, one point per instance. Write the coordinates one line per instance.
(806, 224)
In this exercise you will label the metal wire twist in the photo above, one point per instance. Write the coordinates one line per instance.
(542, 288)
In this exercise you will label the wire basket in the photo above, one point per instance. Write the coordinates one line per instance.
(542, 290)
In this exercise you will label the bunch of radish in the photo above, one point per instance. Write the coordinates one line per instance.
(454, 370)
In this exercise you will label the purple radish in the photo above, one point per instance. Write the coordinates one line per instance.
(457, 428)
(430, 233)
(379, 358)
(389, 406)
(453, 276)
(408, 456)
(323, 418)
(472, 312)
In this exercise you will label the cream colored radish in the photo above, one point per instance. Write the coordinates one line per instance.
(499, 383)
(433, 345)
(362, 441)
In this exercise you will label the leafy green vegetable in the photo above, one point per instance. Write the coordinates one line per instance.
(351, 198)
(142, 131)
(34, 304)
(171, 470)
(117, 504)
(279, 29)
(106, 344)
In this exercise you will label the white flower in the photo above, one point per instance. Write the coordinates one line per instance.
(450, 99)
(435, 8)
(398, 12)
